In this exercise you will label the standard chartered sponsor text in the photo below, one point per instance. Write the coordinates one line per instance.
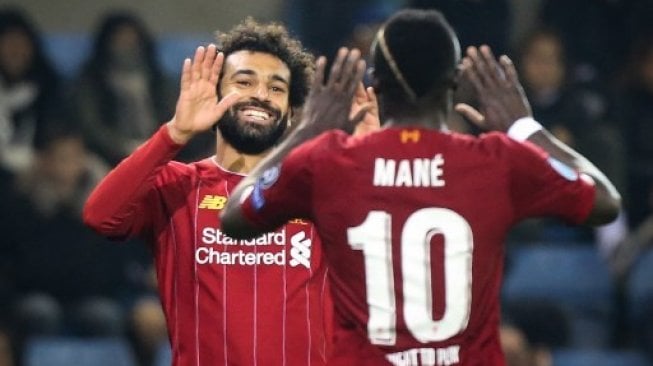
(212, 235)
(208, 255)
(221, 249)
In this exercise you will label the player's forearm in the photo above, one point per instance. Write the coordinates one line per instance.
(608, 200)
(177, 135)
(232, 218)
(112, 206)
(300, 135)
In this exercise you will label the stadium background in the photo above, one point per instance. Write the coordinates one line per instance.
(575, 296)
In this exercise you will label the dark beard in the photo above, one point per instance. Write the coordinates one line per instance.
(251, 138)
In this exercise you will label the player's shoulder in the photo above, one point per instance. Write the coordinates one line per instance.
(495, 141)
(487, 145)
(181, 168)
(205, 170)
(335, 138)
(501, 146)
(328, 141)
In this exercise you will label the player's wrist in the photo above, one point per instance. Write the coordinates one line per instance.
(177, 135)
(523, 128)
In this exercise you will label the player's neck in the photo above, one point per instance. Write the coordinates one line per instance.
(235, 161)
(430, 111)
(435, 120)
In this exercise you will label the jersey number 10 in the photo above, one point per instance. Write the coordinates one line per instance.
(374, 238)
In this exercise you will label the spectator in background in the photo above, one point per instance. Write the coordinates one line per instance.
(147, 328)
(573, 112)
(29, 88)
(366, 25)
(634, 113)
(515, 346)
(121, 95)
(475, 21)
(635, 244)
(367, 22)
(63, 276)
(544, 326)
(594, 32)
(637, 15)
(518, 350)
(7, 351)
(325, 25)
(62, 174)
(570, 110)
(7, 250)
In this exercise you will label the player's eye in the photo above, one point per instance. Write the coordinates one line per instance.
(277, 89)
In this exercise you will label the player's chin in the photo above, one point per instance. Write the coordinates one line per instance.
(258, 126)
(254, 128)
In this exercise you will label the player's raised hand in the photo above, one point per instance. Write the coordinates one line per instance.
(198, 107)
(365, 98)
(501, 97)
(329, 103)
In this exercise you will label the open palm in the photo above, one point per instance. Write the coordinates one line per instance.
(501, 96)
(198, 107)
(365, 98)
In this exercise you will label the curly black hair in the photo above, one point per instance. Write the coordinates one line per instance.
(274, 39)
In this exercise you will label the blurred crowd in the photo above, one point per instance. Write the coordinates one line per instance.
(58, 138)
(587, 67)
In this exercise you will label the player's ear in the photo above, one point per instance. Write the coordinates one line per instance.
(457, 74)
(373, 79)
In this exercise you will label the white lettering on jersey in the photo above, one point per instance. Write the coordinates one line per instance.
(214, 240)
(212, 235)
(209, 255)
(420, 172)
(301, 250)
(426, 356)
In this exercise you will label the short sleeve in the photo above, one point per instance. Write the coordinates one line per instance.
(543, 186)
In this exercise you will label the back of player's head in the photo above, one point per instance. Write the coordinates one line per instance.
(415, 53)
(273, 39)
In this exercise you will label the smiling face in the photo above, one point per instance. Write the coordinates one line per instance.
(257, 121)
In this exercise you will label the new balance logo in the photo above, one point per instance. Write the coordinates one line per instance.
(300, 253)
(212, 202)
(298, 221)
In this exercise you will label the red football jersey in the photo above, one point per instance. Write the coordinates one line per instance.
(413, 223)
(227, 302)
